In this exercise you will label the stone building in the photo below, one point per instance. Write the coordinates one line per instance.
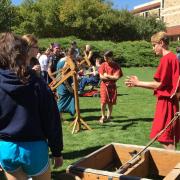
(147, 9)
(166, 10)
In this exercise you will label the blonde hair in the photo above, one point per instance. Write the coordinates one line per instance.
(160, 36)
(31, 39)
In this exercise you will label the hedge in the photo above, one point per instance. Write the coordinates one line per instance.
(127, 53)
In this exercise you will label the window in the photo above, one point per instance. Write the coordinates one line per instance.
(162, 18)
(146, 14)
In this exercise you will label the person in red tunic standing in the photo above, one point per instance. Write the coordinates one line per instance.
(109, 72)
(166, 81)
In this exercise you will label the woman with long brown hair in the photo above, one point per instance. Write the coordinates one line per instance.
(29, 117)
(33, 51)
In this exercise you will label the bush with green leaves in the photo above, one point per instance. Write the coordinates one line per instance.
(127, 53)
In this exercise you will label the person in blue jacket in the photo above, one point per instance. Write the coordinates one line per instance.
(66, 100)
(29, 117)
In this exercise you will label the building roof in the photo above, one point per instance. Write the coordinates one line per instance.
(173, 31)
(147, 8)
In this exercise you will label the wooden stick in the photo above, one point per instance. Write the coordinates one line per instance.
(85, 60)
(78, 120)
(70, 71)
(60, 81)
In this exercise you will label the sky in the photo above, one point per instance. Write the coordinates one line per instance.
(118, 4)
(128, 4)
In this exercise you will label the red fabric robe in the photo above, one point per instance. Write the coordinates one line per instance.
(168, 74)
(108, 89)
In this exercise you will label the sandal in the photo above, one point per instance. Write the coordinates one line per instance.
(102, 119)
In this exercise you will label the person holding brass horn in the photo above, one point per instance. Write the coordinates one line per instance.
(54, 58)
(165, 87)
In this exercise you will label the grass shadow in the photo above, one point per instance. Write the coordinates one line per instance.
(122, 124)
(61, 175)
(80, 153)
(122, 94)
(57, 175)
(90, 110)
(133, 120)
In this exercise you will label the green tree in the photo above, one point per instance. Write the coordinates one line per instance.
(29, 18)
(116, 25)
(50, 15)
(6, 15)
(94, 20)
(40, 18)
(81, 16)
(145, 27)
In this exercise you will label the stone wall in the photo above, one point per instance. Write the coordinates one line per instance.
(171, 3)
(171, 12)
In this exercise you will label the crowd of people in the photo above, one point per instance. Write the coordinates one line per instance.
(30, 115)
(54, 59)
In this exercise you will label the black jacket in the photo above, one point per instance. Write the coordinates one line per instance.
(28, 112)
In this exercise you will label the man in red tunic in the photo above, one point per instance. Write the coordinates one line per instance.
(166, 81)
(109, 73)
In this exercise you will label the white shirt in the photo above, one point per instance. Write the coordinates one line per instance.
(43, 60)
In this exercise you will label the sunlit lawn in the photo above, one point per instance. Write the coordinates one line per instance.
(132, 119)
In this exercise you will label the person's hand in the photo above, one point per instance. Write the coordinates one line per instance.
(131, 81)
(57, 162)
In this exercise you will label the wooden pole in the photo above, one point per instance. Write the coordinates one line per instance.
(70, 71)
(78, 120)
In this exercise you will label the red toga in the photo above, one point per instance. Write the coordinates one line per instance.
(108, 90)
(168, 74)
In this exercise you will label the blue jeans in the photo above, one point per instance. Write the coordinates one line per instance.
(93, 80)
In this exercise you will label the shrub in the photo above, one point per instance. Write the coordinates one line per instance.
(127, 53)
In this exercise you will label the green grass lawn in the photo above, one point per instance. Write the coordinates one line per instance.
(132, 119)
